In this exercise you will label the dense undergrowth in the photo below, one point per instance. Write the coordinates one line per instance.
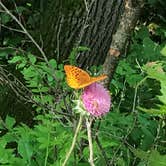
(132, 133)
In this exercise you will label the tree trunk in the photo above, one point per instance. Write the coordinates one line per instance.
(91, 24)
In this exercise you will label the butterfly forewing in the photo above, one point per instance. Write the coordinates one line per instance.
(76, 77)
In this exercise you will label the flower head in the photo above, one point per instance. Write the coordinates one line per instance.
(96, 99)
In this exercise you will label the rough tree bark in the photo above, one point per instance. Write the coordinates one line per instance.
(88, 23)
(121, 37)
(102, 20)
(61, 23)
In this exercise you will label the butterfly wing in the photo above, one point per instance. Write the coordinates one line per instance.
(98, 78)
(76, 77)
(91, 81)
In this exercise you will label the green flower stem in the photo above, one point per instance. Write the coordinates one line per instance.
(88, 124)
(48, 140)
(74, 140)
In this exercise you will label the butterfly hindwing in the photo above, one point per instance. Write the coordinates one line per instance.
(98, 78)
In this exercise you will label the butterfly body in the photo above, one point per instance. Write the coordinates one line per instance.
(78, 78)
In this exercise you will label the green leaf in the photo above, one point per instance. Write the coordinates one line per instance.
(22, 65)
(75, 51)
(149, 47)
(124, 68)
(155, 71)
(19, 162)
(155, 112)
(25, 149)
(121, 162)
(152, 2)
(3, 143)
(142, 33)
(139, 153)
(32, 58)
(33, 83)
(153, 159)
(162, 97)
(29, 72)
(5, 18)
(15, 59)
(53, 63)
(29, 4)
(133, 79)
(156, 159)
(6, 156)
(4, 52)
(21, 9)
(59, 75)
(9, 121)
(50, 78)
(42, 89)
(147, 140)
(163, 51)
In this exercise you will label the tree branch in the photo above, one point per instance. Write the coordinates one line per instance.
(121, 37)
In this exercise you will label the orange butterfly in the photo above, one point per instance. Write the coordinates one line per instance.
(78, 78)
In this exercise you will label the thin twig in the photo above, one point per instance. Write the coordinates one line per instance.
(12, 29)
(74, 140)
(85, 25)
(2, 123)
(122, 95)
(26, 32)
(16, 8)
(58, 37)
(88, 124)
(86, 6)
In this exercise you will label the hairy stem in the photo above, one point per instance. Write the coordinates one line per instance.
(74, 140)
(88, 124)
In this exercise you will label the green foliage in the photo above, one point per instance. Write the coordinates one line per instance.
(153, 158)
(139, 84)
(34, 146)
(155, 71)
(40, 77)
